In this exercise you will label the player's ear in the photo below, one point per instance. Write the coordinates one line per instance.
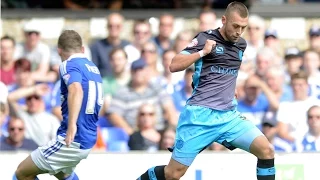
(59, 51)
(82, 49)
(223, 19)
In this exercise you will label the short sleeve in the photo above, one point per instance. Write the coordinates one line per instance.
(45, 53)
(196, 44)
(70, 73)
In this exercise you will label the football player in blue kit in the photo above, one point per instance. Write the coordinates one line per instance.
(81, 100)
(210, 114)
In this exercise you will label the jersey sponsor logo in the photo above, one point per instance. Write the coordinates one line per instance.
(222, 70)
(193, 43)
(240, 55)
(219, 49)
(66, 78)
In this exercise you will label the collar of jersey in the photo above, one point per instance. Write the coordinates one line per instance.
(77, 55)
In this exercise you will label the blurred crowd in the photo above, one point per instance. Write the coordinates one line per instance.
(278, 88)
(136, 4)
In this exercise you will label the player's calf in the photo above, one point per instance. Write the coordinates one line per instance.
(264, 151)
(265, 164)
(156, 172)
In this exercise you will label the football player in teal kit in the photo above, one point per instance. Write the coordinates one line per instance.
(210, 114)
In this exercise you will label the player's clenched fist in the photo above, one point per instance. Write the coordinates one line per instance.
(208, 46)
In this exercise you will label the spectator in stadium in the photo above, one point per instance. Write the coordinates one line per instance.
(183, 91)
(207, 20)
(293, 62)
(123, 109)
(311, 64)
(16, 140)
(22, 70)
(154, 66)
(120, 76)
(275, 79)
(253, 106)
(272, 41)
(269, 129)
(264, 60)
(256, 28)
(4, 111)
(41, 126)
(141, 35)
(56, 100)
(241, 79)
(311, 140)
(162, 40)
(170, 80)
(33, 49)
(292, 122)
(314, 38)
(101, 49)
(146, 137)
(7, 60)
(182, 40)
(167, 137)
(3, 119)
(23, 76)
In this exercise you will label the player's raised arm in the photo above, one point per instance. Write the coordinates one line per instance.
(183, 60)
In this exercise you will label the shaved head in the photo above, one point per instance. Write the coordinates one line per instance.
(238, 7)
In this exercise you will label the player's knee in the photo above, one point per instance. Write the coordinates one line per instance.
(174, 174)
(267, 152)
(19, 175)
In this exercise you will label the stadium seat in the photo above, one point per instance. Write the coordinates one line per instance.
(104, 122)
(115, 138)
(118, 146)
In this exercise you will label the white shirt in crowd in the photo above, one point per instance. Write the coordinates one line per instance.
(294, 114)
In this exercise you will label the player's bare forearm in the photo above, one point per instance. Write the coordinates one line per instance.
(21, 93)
(39, 89)
(283, 132)
(271, 96)
(75, 97)
(182, 61)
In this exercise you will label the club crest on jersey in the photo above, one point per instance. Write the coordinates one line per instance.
(193, 43)
(240, 55)
(219, 49)
(66, 78)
